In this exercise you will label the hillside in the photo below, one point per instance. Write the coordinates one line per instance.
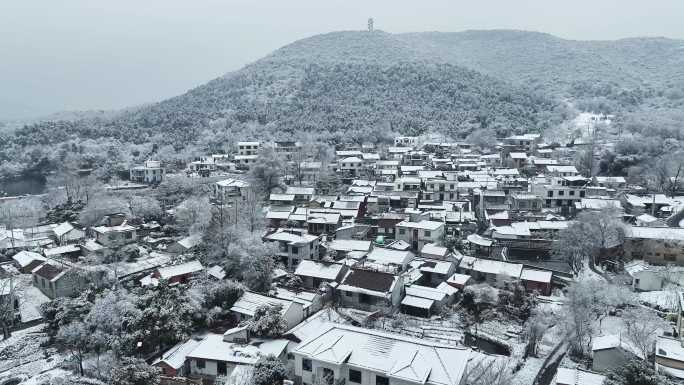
(344, 85)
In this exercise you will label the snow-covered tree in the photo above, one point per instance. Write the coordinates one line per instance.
(636, 372)
(100, 205)
(265, 173)
(268, 321)
(268, 370)
(144, 206)
(194, 214)
(134, 371)
(642, 326)
(490, 371)
(20, 213)
(76, 339)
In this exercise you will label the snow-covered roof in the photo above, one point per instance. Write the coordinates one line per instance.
(190, 241)
(59, 250)
(425, 292)
(176, 270)
(422, 303)
(669, 233)
(489, 266)
(314, 324)
(291, 238)
(327, 271)
(567, 376)
(175, 357)
(402, 358)
(111, 229)
(249, 302)
(518, 155)
(432, 249)
(63, 228)
(281, 197)
(351, 159)
(432, 266)
(24, 258)
(217, 272)
(389, 256)
(561, 169)
(480, 241)
(213, 347)
(597, 203)
(424, 224)
(459, 279)
(295, 190)
(231, 182)
(536, 275)
(614, 341)
(349, 245)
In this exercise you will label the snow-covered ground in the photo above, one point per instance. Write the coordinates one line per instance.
(21, 356)
(663, 299)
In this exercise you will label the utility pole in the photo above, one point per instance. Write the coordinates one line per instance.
(370, 24)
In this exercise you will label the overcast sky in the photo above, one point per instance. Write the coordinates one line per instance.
(103, 54)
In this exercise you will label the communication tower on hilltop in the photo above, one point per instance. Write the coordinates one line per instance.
(370, 24)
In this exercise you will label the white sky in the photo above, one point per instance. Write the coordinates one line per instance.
(102, 54)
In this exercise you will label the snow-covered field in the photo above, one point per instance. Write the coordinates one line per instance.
(21, 356)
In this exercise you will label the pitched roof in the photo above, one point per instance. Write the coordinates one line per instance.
(402, 358)
(369, 280)
(48, 271)
(327, 271)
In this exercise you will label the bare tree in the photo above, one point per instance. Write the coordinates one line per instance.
(490, 371)
(194, 214)
(642, 327)
(250, 210)
(100, 205)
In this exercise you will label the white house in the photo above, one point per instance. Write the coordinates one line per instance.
(248, 148)
(292, 247)
(149, 172)
(496, 273)
(358, 356)
(418, 234)
(669, 357)
(230, 189)
(644, 276)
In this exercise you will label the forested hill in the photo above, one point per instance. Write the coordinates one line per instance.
(343, 85)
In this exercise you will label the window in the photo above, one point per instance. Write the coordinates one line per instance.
(380, 380)
(306, 365)
(348, 293)
(548, 202)
(572, 192)
(549, 194)
(426, 232)
(561, 193)
(290, 356)
(582, 194)
(295, 250)
(129, 235)
(201, 364)
(402, 231)
(354, 376)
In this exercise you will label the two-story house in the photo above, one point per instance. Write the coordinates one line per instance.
(293, 247)
(248, 148)
(149, 172)
(417, 234)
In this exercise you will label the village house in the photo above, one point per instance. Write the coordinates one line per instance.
(66, 233)
(610, 352)
(644, 276)
(655, 245)
(495, 273)
(424, 301)
(26, 261)
(292, 247)
(230, 190)
(149, 172)
(349, 248)
(54, 281)
(669, 357)
(301, 194)
(173, 274)
(314, 273)
(111, 235)
(536, 281)
(248, 148)
(370, 290)
(387, 259)
(348, 354)
(245, 307)
(418, 234)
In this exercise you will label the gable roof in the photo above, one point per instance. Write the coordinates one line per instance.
(369, 280)
(48, 271)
